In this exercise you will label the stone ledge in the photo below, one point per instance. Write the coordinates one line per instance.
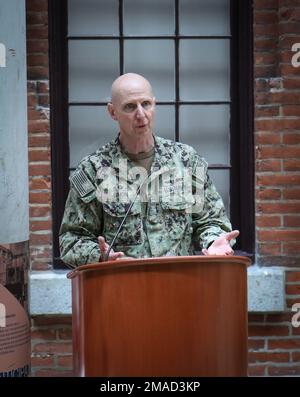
(266, 289)
(50, 291)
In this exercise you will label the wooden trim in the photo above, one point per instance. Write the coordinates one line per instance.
(58, 65)
(167, 260)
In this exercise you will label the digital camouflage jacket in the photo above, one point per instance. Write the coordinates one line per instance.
(177, 209)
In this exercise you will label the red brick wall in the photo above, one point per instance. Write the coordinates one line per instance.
(39, 135)
(51, 346)
(277, 132)
(274, 345)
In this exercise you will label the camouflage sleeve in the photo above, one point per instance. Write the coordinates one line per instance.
(211, 221)
(80, 228)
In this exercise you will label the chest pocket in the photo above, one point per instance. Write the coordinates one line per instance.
(131, 232)
(177, 215)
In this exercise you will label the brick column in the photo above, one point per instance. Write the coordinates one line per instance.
(274, 344)
(39, 135)
(277, 127)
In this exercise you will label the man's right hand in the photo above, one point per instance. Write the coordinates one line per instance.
(104, 248)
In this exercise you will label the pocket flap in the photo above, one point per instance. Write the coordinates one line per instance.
(120, 209)
(178, 203)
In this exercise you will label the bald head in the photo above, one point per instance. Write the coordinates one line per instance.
(133, 107)
(127, 83)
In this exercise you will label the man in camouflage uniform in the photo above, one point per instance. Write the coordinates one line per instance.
(141, 178)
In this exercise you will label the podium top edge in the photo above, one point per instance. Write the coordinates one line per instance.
(184, 260)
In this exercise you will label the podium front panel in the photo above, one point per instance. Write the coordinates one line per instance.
(182, 316)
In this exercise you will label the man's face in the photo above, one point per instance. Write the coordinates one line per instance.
(134, 110)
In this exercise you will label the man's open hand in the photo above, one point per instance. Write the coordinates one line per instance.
(221, 246)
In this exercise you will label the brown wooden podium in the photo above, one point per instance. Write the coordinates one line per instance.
(170, 316)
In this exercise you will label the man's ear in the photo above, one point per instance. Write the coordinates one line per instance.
(111, 111)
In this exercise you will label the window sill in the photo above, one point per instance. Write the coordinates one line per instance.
(50, 291)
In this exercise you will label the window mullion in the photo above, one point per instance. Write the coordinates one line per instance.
(121, 38)
(177, 93)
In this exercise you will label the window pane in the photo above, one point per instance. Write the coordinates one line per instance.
(154, 17)
(204, 70)
(93, 17)
(206, 128)
(93, 65)
(153, 59)
(165, 121)
(205, 17)
(221, 180)
(90, 127)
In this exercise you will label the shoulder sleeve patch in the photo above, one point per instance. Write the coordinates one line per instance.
(81, 183)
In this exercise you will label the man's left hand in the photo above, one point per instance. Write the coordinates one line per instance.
(221, 246)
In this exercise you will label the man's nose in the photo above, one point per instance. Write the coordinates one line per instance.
(140, 111)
